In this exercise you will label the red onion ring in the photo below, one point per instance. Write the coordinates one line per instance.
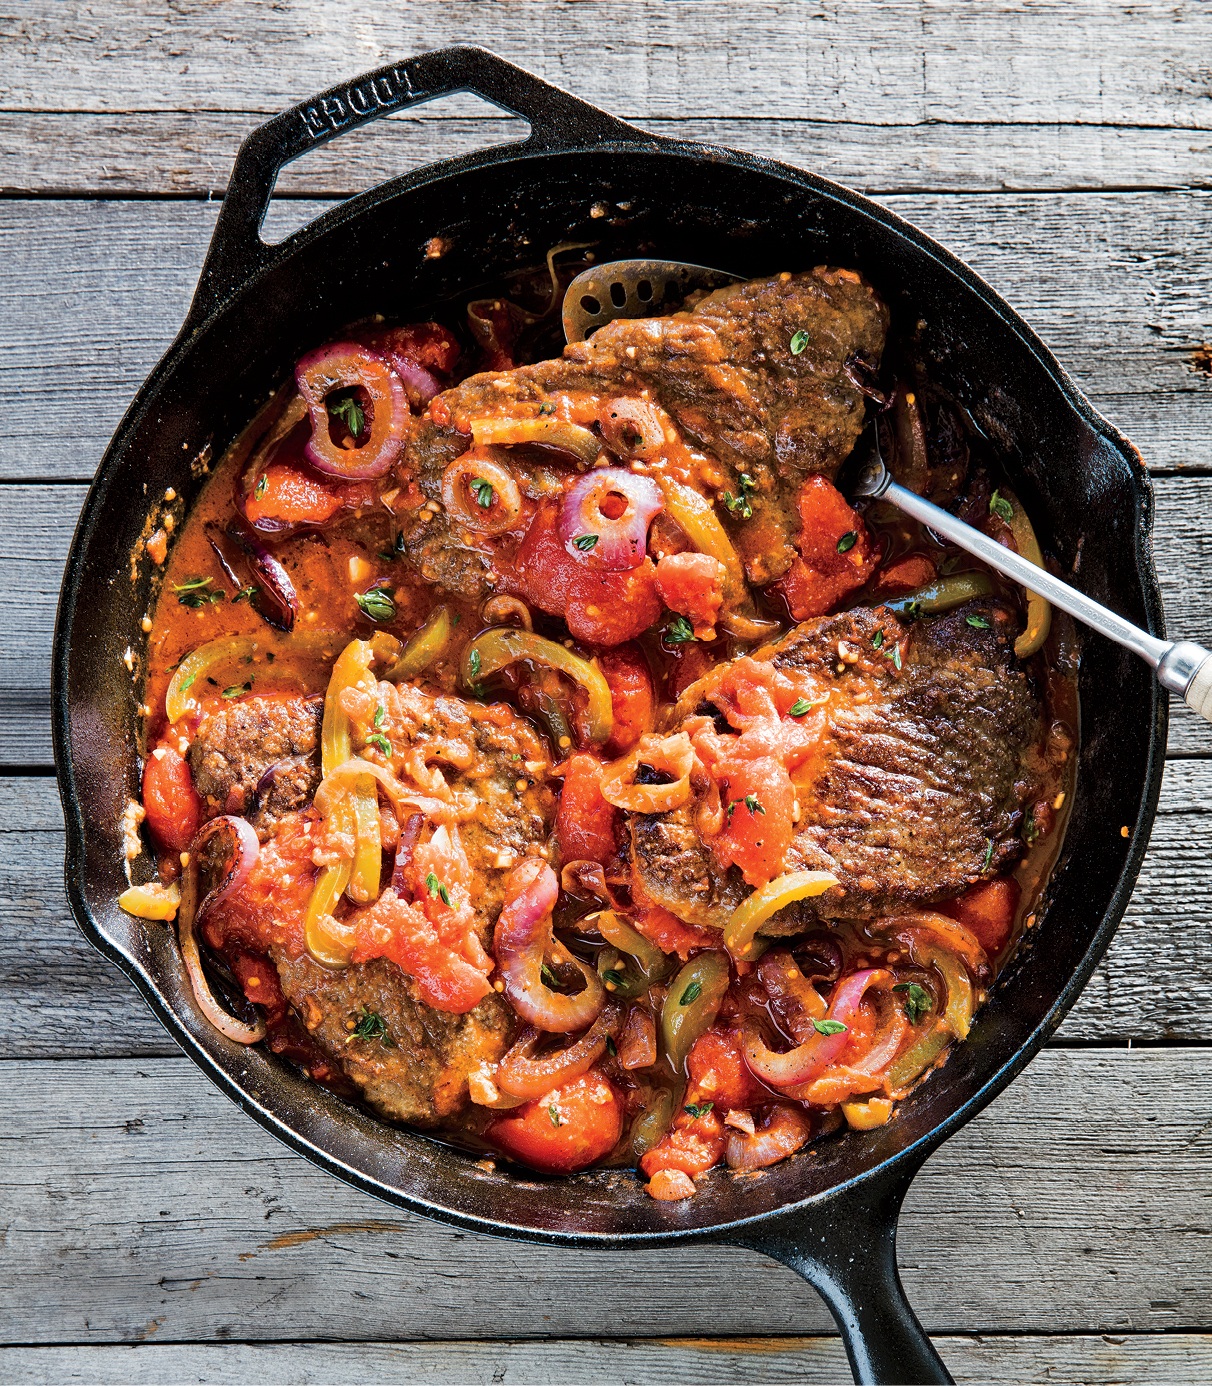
(504, 496)
(521, 940)
(276, 602)
(418, 382)
(521, 1075)
(617, 543)
(240, 863)
(787, 1129)
(803, 1063)
(342, 366)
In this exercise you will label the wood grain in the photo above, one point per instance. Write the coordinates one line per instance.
(1108, 62)
(37, 522)
(1075, 1360)
(190, 153)
(60, 999)
(139, 1202)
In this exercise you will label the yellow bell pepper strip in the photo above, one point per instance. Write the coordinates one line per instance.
(352, 667)
(941, 595)
(228, 649)
(425, 647)
(867, 1115)
(917, 1058)
(501, 646)
(1039, 611)
(692, 1004)
(329, 887)
(544, 429)
(151, 901)
(696, 518)
(767, 900)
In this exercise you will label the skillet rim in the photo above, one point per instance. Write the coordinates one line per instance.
(904, 1163)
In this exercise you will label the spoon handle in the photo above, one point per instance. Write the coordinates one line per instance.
(1181, 666)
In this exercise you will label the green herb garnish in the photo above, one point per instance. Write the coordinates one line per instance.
(262, 486)
(372, 1026)
(698, 1109)
(988, 854)
(877, 640)
(548, 977)
(236, 689)
(692, 993)
(195, 592)
(613, 977)
(350, 412)
(473, 664)
(803, 705)
(546, 407)
(246, 594)
(679, 631)
(753, 804)
(483, 492)
(741, 505)
(829, 1027)
(436, 889)
(895, 656)
(381, 743)
(977, 622)
(380, 716)
(376, 604)
(799, 342)
(918, 1001)
(584, 542)
(847, 541)
(1031, 830)
(1001, 507)
(554, 1114)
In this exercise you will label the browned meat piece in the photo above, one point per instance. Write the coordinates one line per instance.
(416, 1071)
(725, 374)
(916, 795)
(237, 745)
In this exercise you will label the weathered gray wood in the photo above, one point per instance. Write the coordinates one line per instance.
(60, 999)
(1078, 1360)
(139, 1202)
(94, 292)
(37, 521)
(191, 152)
(1101, 62)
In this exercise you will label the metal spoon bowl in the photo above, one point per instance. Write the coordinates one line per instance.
(644, 288)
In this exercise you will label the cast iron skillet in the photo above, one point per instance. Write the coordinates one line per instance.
(584, 176)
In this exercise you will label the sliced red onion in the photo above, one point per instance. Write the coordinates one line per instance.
(244, 849)
(521, 1075)
(420, 385)
(806, 1061)
(595, 537)
(410, 833)
(345, 366)
(520, 942)
(785, 1131)
(277, 602)
(475, 478)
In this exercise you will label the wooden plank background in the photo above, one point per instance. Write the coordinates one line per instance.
(148, 1232)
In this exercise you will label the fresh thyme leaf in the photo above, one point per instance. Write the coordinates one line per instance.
(698, 1109)
(350, 412)
(1031, 831)
(554, 1113)
(692, 993)
(197, 591)
(613, 977)
(829, 1027)
(381, 743)
(473, 664)
(847, 541)
(799, 342)
(877, 640)
(236, 689)
(988, 854)
(436, 889)
(584, 542)
(548, 977)
(262, 485)
(679, 631)
(803, 705)
(753, 804)
(918, 1001)
(192, 584)
(546, 407)
(977, 622)
(246, 594)
(895, 656)
(1000, 506)
(380, 716)
(372, 1026)
(741, 505)
(483, 492)
(376, 604)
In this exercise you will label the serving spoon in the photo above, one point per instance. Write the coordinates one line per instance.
(642, 288)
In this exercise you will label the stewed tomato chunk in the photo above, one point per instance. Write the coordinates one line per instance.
(567, 1129)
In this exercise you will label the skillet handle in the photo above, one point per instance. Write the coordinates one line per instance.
(557, 121)
(846, 1250)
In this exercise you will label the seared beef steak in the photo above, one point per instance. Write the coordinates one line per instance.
(416, 1069)
(915, 793)
(726, 375)
(236, 746)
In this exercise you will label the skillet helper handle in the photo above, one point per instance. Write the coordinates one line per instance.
(847, 1253)
(557, 121)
